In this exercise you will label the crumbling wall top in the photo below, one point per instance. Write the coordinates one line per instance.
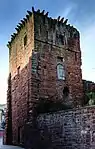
(59, 20)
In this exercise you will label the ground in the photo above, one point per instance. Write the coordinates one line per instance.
(8, 146)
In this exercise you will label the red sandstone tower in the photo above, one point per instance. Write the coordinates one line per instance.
(44, 62)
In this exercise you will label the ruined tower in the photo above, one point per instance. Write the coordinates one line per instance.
(44, 62)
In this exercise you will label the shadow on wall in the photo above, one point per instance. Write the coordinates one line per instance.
(37, 140)
(46, 106)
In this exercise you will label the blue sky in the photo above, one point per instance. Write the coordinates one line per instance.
(80, 13)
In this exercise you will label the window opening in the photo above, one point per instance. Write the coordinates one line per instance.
(60, 72)
(25, 40)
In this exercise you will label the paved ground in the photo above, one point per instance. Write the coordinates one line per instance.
(1, 141)
(8, 146)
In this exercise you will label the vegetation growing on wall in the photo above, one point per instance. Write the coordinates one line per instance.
(91, 96)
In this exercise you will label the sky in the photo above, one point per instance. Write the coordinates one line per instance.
(80, 13)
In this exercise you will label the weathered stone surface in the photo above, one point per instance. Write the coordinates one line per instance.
(88, 86)
(20, 69)
(74, 129)
(33, 55)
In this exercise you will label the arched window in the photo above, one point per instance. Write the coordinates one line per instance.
(60, 72)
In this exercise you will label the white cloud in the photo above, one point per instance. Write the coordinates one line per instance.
(88, 52)
(67, 11)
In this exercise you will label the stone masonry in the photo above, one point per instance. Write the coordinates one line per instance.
(42, 49)
(73, 129)
(88, 86)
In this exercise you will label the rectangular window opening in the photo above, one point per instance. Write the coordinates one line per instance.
(47, 35)
(40, 29)
(25, 40)
(61, 39)
(60, 72)
(75, 56)
(18, 70)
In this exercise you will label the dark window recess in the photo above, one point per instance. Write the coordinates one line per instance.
(57, 38)
(44, 67)
(75, 56)
(46, 34)
(66, 91)
(61, 39)
(44, 71)
(18, 70)
(25, 40)
(20, 134)
(59, 59)
(40, 29)
(51, 46)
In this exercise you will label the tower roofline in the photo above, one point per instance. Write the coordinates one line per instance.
(28, 15)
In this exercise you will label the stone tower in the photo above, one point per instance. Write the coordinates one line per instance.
(44, 62)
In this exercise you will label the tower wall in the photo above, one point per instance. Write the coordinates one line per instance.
(20, 69)
(40, 45)
(56, 41)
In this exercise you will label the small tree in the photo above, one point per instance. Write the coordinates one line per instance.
(91, 96)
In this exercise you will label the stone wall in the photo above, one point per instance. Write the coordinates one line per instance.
(8, 115)
(20, 53)
(73, 129)
(55, 39)
(21, 47)
(33, 54)
(20, 102)
(88, 86)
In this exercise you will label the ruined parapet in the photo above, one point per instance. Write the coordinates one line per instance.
(52, 23)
